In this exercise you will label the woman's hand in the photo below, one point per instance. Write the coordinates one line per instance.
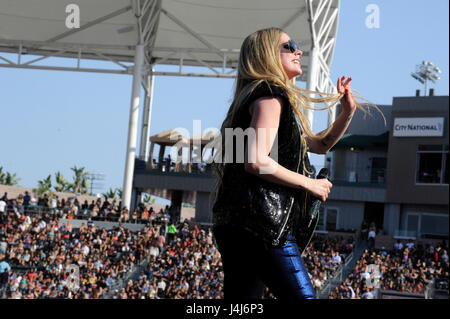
(347, 101)
(320, 188)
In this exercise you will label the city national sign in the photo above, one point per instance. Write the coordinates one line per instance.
(418, 126)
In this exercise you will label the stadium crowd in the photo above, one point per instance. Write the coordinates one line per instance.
(324, 256)
(187, 266)
(40, 252)
(101, 209)
(40, 258)
(408, 267)
(190, 267)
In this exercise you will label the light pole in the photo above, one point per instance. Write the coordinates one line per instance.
(426, 71)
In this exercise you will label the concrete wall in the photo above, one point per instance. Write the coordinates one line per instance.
(350, 214)
(175, 181)
(358, 193)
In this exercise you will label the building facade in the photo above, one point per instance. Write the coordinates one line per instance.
(393, 173)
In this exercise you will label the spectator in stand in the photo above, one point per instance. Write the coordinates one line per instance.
(335, 257)
(398, 246)
(371, 238)
(410, 244)
(172, 231)
(124, 215)
(134, 216)
(444, 256)
(26, 199)
(364, 230)
(5, 268)
(2, 207)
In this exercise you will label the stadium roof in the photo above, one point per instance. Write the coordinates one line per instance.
(191, 32)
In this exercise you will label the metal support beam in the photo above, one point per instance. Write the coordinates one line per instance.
(132, 127)
(311, 83)
(60, 68)
(318, 71)
(147, 116)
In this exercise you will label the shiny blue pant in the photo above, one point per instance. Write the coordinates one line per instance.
(249, 265)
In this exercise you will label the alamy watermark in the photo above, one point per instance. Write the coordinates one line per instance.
(235, 148)
(72, 277)
(373, 280)
(373, 19)
(73, 17)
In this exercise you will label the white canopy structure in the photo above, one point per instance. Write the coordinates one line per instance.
(136, 35)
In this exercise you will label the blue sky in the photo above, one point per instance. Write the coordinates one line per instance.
(53, 120)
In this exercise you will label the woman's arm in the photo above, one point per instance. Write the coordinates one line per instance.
(323, 145)
(266, 114)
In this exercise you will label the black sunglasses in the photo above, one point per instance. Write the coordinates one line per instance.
(291, 46)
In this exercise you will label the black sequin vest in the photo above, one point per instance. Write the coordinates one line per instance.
(266, 209)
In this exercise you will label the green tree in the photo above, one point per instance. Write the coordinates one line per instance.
(2, 175)
(80, 183)
(62, 185)
(44, 186)
(149, 199)
(119, 192)
(84, 186)
(11, 179)
(8, 178)
(110, 194)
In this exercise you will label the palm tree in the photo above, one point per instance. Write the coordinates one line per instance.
(2, 176)
(8, 179)
(149, 199)
(62, 185)
(11, 179)
(119, 192)
(80, 183)
(84, 185)
(110, 194)
(44, 186)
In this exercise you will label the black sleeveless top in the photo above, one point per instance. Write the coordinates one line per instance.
(239, 188)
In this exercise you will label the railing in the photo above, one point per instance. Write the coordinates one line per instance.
(169, 166)
(338, 277)
(348, 175)
(405, 234)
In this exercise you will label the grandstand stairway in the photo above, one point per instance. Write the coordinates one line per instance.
(346, 269)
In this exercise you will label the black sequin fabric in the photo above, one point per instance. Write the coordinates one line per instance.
(262, 207)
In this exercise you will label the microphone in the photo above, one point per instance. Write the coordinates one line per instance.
(316, 202)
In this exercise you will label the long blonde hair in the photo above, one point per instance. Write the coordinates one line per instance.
(260, 62)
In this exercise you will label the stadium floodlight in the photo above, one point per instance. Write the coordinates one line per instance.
(425, 72)
(417, 78)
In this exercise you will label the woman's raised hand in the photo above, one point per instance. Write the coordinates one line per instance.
(347, 101)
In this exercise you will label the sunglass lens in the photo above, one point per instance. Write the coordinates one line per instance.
(293, 46)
